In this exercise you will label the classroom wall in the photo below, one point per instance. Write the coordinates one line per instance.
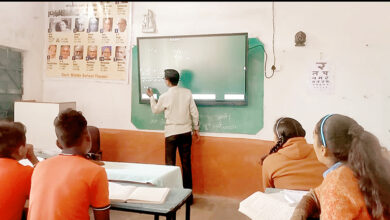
(351, 36)
(221, 166)
(22, 28)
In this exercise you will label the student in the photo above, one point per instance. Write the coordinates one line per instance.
(15, 179)
(386, 152)
(357, 183)
(292, 162)
(65, 186)
(182, 117)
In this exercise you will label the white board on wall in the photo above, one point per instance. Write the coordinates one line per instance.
(38, 117)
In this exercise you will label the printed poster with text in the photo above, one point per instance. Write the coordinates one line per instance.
(88, 40)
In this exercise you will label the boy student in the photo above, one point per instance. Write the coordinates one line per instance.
(181, 115)
(15, 179)
(65, 186)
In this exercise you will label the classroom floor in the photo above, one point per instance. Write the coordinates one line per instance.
(203, 208)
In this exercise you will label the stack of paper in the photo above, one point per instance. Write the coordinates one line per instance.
(266, 206)
(129, 193)
(293, 197)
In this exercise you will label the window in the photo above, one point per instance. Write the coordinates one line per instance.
(11, 79)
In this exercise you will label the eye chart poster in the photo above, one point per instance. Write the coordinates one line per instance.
(88, 40)
(321, 77)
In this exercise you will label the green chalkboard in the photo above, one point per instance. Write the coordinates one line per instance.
(212, 66)
(11, 80)
(247, 119)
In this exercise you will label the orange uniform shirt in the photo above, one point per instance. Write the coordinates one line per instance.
(65, 186)
(15, 181)
(340, 197)
(295, 166)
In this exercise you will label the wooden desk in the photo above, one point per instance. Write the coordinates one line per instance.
(175, 199)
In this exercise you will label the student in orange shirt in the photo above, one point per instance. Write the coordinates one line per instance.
(15, 179)
(65, 186)
(357, 183)
(292, 162)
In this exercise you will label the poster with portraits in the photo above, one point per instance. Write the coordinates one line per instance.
(88, 40)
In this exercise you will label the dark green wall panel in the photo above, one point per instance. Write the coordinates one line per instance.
(219, 119)
(11, 81)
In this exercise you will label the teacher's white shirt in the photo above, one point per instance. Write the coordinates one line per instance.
(179, 109)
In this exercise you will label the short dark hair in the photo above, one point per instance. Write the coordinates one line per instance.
(12, 136)
(172, 75)
(69, 127)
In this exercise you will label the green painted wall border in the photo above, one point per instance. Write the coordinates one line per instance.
(218, 119)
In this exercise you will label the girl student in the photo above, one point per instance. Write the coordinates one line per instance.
(357, 183)
(292, 162)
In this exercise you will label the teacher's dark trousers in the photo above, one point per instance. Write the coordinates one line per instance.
(183, 142)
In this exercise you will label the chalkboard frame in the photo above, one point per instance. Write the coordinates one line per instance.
(201, 102)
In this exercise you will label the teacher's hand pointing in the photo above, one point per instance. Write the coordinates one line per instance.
(149, 92)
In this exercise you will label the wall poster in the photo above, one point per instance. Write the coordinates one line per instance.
(88, 40)
(321, 77)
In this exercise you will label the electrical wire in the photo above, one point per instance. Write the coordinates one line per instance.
(273, 30)
(266, 58)
(265, 65)
(273, 45)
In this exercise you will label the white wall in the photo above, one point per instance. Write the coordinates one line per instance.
(353, 37)
(22, 27)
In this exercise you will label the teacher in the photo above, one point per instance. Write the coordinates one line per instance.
(181, 117)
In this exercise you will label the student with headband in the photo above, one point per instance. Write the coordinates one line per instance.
(292, 162)
(357, 183)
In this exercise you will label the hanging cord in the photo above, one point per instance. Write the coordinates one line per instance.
(273, 47)
(273, 42)
(266, 57)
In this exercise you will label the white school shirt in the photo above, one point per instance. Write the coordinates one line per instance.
(179, 109)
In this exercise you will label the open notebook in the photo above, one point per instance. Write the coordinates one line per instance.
(129, 193)
(279, 205)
